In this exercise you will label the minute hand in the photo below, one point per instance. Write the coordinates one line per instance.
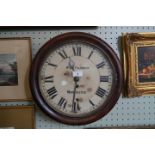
(74, 104)
(74, 109)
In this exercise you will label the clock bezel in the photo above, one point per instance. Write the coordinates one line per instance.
(64, 39)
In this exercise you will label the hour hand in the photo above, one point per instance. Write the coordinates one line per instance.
(71, 64)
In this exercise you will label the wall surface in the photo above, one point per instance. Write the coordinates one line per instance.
(139, 111)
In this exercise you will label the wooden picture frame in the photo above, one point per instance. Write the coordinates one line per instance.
(15, 61)
(17, 117)
(139, 64)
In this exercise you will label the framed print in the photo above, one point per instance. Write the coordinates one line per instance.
(139, 64)
(15, 61)
(17, 117)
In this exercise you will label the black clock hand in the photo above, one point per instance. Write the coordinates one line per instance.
(74, 109)
(71, 64)
(74, 103)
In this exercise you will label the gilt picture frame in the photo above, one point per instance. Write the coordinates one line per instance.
(139, 64)
(15, 61)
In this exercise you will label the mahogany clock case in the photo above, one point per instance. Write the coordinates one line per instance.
(64, 39)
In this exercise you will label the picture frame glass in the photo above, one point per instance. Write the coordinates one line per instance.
(146, 64)
(8, 70)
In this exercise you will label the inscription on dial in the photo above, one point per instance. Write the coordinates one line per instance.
(77, 92)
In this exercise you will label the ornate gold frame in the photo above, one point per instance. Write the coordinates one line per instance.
(131, 42)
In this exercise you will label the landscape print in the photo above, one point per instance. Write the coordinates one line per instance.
(146, 64)
(8, 70)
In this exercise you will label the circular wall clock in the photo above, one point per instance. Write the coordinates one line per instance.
(76, 78)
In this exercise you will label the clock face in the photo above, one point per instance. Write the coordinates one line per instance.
(76, 80)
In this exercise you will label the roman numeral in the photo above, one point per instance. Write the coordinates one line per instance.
(76, 107)
(100, 65)
(62, 102)
(104, 78)
(53, 65)
(63, 54)
(91, 103)
(77, 51)
(52, 92)
(100, 92)
(90, 54)
(48, 79)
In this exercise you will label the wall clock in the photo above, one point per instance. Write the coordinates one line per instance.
(76, 78)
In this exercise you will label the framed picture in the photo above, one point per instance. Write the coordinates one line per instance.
(139, 64)
(17, 117)
(15, 61)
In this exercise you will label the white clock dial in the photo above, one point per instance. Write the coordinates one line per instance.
(75, 79)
